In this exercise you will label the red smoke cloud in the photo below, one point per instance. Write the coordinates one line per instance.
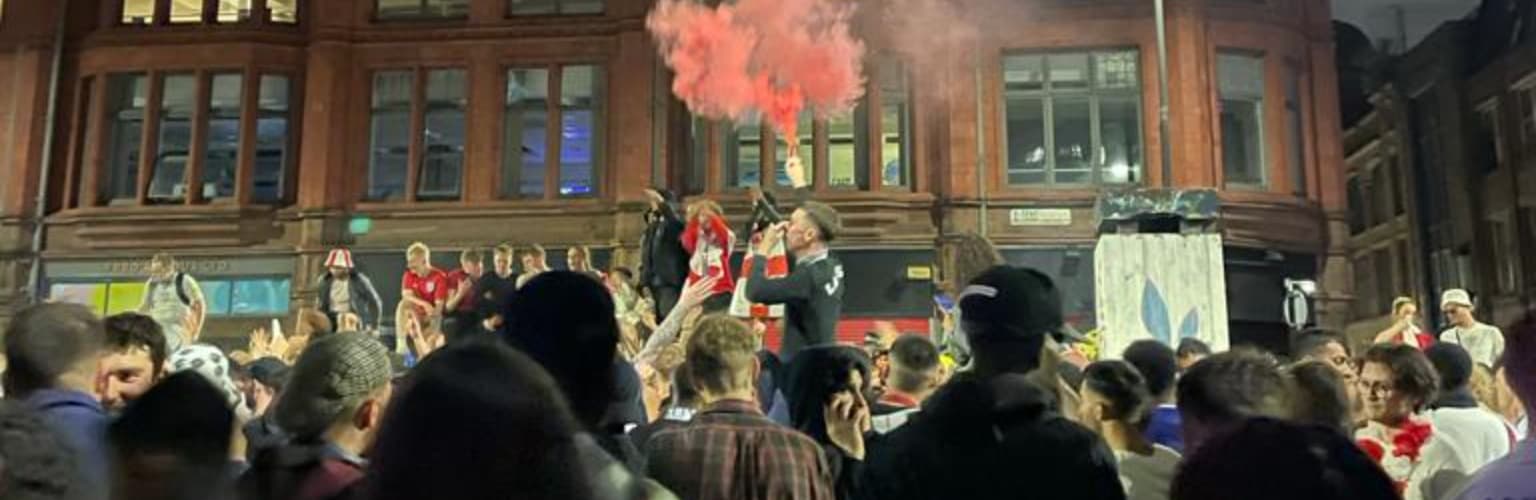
(770, 57)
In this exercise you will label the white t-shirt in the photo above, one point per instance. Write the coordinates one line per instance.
(1483, 342)
(1479, 435)
(1148, 477)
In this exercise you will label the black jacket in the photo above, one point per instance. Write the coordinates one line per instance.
(663, 262)
(990, 439)
(365, 299)
(812, 295)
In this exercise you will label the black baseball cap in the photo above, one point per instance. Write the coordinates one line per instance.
(1016, 302)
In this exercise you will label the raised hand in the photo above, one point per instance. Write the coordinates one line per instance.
(771, 238)
(847, 417)
(696, 293)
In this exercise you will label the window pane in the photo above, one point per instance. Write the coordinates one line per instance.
(283, 11)
(138, 11)
(390, 133)
(217, 294)
(744, 155)
(1023, 73)
(1242, 104)
(581, 131)
(533, 7)
(1120, 135)
(266, 297)
(124, 296)
(92, 295)
(442, 168)
(1116, 70)
(233, 11)
(168, 182)
(1068, 71)
(1296, 144)
(848, 149)
(698, 155)
(581, 6)
(186, 11)
(1026, 140)
(223, 149)
(422, 8)
(270, 177)
(1074, 139)
(527, 124)
(893, 125)
(805, 137)
(126, 99)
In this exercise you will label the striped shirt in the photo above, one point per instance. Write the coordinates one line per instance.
(731, 451)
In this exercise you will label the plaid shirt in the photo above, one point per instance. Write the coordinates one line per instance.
(732, 452)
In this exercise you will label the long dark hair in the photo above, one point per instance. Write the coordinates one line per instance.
(477, 420)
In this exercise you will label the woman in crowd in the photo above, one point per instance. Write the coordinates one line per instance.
(708, 241)
(1405, 326)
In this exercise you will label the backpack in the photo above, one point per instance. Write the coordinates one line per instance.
(181, 288)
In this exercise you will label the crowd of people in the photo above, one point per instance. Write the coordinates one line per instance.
(577, 384)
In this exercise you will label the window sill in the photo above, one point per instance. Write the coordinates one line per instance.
(159, 213)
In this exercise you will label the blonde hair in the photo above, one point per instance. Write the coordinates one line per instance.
(504, 250)
(418, 248)
(704, 204)
(721, 353)
(1398, 303)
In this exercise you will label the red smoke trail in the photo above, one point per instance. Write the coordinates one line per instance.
(766, 57)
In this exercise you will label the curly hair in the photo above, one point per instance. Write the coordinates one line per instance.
(1412, 373)
(719, 353)
(970, 255)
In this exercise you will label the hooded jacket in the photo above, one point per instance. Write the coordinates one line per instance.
(986, 439)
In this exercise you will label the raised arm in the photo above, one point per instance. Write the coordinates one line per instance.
(668, 331)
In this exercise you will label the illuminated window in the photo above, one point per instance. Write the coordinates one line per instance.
(530, 112)
(283, 11)
(186, 11)
(234, 11)
(139, 12)
(1072, 118)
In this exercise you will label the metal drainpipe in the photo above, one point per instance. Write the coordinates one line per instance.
(981, 143)
(1162, 88)
(45, 167)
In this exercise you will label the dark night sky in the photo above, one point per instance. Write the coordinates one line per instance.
(1379, 18)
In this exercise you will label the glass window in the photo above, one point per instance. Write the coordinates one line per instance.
(234, 11)
(848, 149)
(849, 156)
(186, 11)
(1241, 82)
(127, 96)
(581, 119)
(407, 9)
(92, 295)
(526, 131)
(223, 152)
(283, 11)
(1296, 145)
(272, 139)
(544, 7)
(895, 145)
(390, 132)
(168, 170)
(744, 155)
(1072, 118)
(698, 154)
(1357, 208)
(1491, 140)
(259, 297)
(442, 163)
(138, 11)
(806, 140)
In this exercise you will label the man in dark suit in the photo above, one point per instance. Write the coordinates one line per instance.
(663, 262)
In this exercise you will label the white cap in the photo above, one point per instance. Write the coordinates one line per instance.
(1456, 297)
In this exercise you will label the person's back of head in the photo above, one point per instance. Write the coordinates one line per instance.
(914, 364)
(335, 379)
(1269, 459)
(1320, 397)
(1006, 315)
(1157, 364)
(1221, 391)
(565, 322)
(1113, 391)
(684, 394)
(1452, 363)
(173, 443)
(1190, 351)
(37, 463)
(1312, 345)
(52, 345)
(722, 358)
(477, 420)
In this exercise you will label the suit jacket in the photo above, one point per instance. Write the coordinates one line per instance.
(663, 262)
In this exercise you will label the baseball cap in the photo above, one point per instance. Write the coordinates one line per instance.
(1456, 297)
(828, 222)
(1014, 301)
(334, 372)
